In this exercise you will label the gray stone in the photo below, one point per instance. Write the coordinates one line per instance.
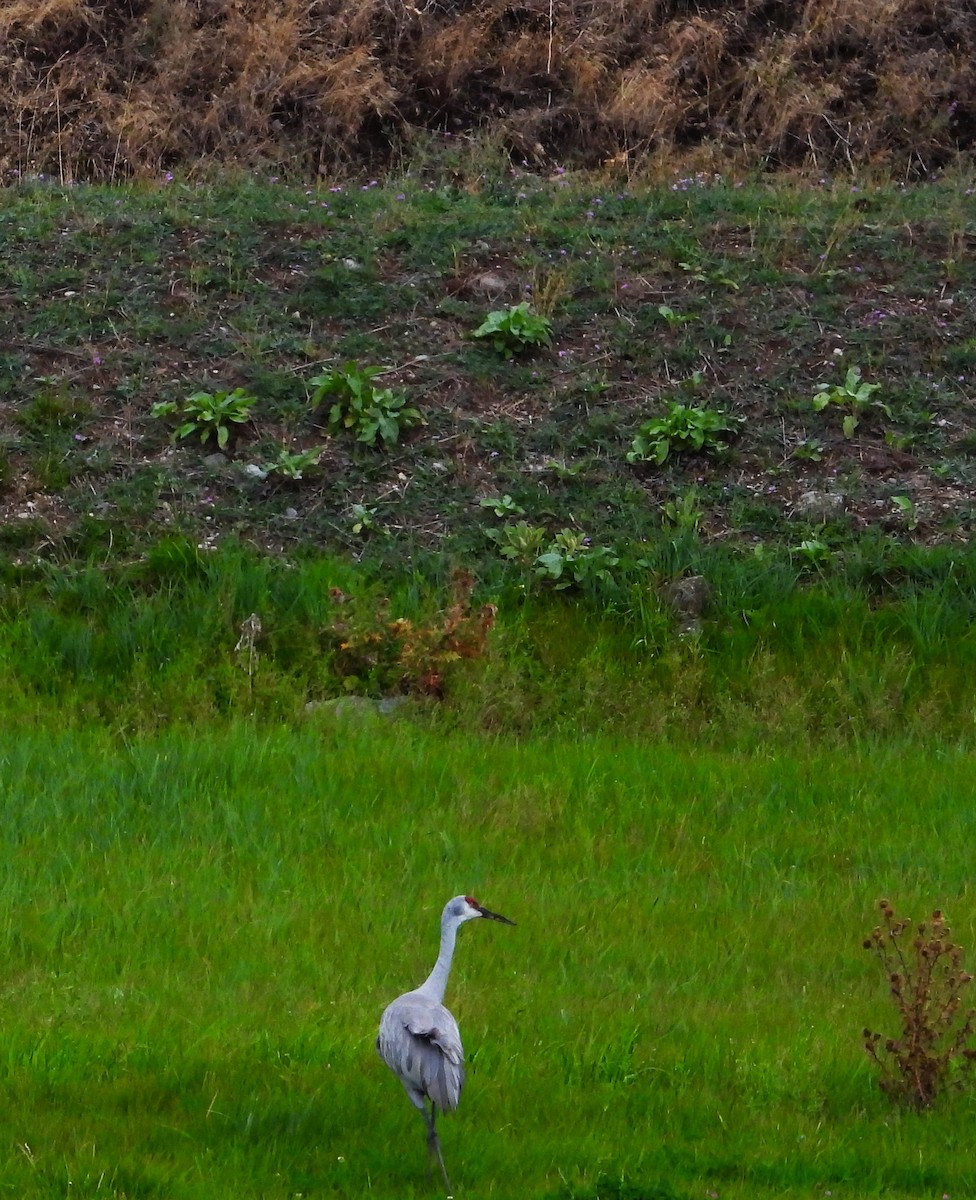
(819, 506)
(688, 598)
(490, 284)
(356, 710)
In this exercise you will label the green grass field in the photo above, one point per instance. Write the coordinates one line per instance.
(215, 876)
(199, 933)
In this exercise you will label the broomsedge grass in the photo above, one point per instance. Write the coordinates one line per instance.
(827, 84)
(199, 936)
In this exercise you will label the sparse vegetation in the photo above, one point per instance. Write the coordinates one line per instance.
(552, 430)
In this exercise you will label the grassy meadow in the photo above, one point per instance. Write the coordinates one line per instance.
(274, 686)
(199, 935)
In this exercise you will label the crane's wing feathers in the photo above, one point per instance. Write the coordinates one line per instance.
(419, 1041)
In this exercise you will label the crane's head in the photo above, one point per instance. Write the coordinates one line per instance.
(466, 908)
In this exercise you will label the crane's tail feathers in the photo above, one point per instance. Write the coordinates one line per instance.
(444, 1084)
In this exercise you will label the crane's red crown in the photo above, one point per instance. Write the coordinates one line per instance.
(471, 900)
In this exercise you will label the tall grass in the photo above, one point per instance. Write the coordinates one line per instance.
(863, 652)
(199, 934)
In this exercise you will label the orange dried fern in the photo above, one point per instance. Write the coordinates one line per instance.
(374, 653)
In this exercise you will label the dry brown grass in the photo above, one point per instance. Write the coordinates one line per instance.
(92, 90)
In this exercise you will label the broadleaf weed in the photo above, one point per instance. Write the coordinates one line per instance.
(502, 506)
(374, 414)
(572, 558)
(684, 428)
(854, 395)
(521, 543)
(568, 559)
(210, 414)
(292, 464)
(673, 318)
(509, 331)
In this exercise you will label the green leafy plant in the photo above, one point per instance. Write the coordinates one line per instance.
(926, 980)
(374, 414)
(362, 519)
(812, 551)
(683, 428)
(566, 559)
(502, 506)
(702, 273)
(292, 464)
(682, 512)
(673, 318)
(564, 470)
(809, 450)
(515, 329)
(521, 543)
(571, 558)
(854, 395)
(210, 414)
(907, 508)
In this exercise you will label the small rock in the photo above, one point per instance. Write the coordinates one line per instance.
(253, 471)
(688, 596)
(291, 514)
(356, 709)
(688, 599)
(490, 284)
(215, 461)
(819, 506)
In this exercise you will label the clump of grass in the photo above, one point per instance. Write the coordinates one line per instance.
(53, 409)
(927, 982)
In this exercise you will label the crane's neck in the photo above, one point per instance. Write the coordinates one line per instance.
(436, 982)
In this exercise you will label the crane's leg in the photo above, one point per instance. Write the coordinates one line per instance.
(434, 1145)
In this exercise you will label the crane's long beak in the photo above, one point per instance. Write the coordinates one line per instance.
(494, 916)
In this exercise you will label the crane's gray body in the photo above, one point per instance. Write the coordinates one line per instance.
(419, 1039)
(420, 1043)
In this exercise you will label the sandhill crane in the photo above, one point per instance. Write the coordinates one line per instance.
(419, 1039)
